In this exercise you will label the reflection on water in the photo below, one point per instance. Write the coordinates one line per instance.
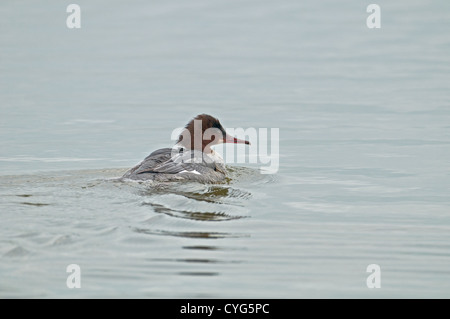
(205, 247)
(198, 273)
(201, 216)
(198, 203)
(195, 260)
(189, 234)
(34, 204)
(210, 194)
(216, 202)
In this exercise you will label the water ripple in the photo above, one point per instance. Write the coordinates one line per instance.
(189, 234)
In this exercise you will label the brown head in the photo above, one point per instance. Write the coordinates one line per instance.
(204, 131)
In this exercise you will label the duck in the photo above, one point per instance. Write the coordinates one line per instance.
(191, 158)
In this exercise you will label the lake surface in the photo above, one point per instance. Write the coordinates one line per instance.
(364, 149)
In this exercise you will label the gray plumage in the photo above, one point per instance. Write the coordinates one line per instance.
(177, 164)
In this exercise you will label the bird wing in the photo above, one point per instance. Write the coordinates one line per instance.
(168, 161)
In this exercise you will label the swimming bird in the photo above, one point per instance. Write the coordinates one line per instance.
(191, 158)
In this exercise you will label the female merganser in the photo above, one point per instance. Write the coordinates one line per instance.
(191, 159)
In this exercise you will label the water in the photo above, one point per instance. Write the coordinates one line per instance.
(364, 149)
